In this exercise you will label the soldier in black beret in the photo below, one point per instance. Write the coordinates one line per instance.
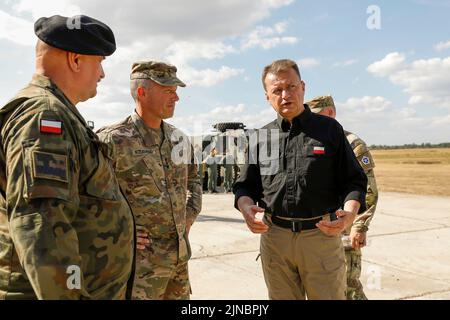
(80, 34)
(66, 230)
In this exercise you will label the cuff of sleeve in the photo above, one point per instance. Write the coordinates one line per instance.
(360, 227)
(357, 196)
(240, 193)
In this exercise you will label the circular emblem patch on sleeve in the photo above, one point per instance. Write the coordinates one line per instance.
(365, 160)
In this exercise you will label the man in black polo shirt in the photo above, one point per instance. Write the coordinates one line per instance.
(303, 172)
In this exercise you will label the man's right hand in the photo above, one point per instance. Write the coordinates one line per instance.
(249, 211)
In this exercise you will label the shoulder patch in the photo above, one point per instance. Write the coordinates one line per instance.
(365, 160)
(50, 166)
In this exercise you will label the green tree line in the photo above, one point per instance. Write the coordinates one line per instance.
(412, 146)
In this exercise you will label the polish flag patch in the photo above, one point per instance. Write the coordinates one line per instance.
(51, 126)
(319, 150)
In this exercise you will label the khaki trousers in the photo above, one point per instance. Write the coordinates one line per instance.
(303, 265)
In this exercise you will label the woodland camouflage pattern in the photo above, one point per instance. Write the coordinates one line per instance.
(60, 203)
(165, 196)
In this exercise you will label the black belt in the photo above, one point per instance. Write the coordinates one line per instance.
(295, 226)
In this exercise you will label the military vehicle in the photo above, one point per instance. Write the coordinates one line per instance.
(229, 139)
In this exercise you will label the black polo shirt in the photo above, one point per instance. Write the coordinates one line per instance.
(313, 170)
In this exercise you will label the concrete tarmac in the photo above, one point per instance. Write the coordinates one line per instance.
(407, 257)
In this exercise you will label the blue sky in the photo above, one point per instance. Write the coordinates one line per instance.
(391, 85)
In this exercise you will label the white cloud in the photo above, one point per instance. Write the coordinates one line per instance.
(267, 37)
(379, 121)
(392, 62)
(178, 19)
(17, 30)
(366, 104)
(407, 113)
(207, 77)
(345, 63)
(442, 122)
(278, 3)
(308, 63)
(442, 46)
(47, 8)
(202, 123)
(182, 51)
(426, 80)
(240, 108)
(171, 31)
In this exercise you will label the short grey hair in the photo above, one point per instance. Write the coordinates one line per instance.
(135, 84)
(279, 66)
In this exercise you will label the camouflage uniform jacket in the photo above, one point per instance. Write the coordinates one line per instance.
(365, 159)
(164, 195)
(60, 203)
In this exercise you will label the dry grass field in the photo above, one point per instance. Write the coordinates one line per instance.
(418, 171)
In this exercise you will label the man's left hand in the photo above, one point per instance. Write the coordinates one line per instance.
(336, 227)
(142, 240)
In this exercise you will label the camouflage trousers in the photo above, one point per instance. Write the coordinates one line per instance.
(354, 285)
(212, 179)
(228, 179)
(159, 282)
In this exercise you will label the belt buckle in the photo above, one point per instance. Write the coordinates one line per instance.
(296, 226)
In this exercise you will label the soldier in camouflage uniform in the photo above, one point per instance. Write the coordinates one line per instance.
(154, 163)
(211, 162)
(66, 230)
(228, 164)
(355, 238)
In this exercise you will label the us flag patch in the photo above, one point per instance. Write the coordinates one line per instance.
(319, 150)
(51, 126)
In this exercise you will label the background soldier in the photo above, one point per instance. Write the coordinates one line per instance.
(62, 214)
(165, 193)
(228, 164)
(211, 163)
(354, 238)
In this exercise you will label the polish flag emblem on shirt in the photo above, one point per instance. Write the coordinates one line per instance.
(319, 150)
(51, 126)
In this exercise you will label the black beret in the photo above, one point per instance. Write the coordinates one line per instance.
(78, 34)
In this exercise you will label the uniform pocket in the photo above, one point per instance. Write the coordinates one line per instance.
(103, 183)
(332, 263)
(48, 170)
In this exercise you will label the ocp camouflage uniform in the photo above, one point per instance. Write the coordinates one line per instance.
(60, 203)
(164, 196)
(362, 221)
